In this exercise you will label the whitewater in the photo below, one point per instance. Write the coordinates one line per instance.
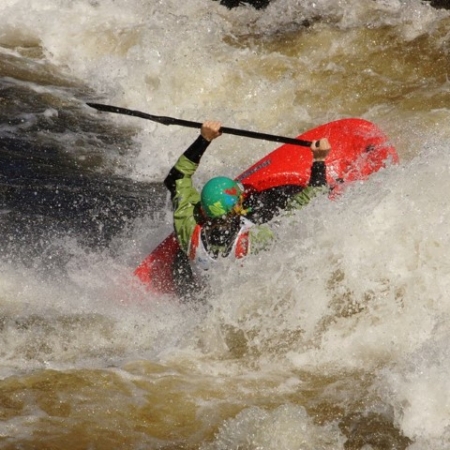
(337, 338)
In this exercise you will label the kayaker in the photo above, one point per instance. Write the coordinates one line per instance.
(213, 224)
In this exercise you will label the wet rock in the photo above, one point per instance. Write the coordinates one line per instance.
(261, 4)
(258, 4)
(441, 4)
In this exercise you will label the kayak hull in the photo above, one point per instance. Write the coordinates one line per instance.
(358, 149)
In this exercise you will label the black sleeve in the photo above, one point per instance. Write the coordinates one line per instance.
(318, 174)
(194, 153)
(196, 150)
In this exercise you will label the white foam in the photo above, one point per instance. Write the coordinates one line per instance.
(284, 427)
(360, 284)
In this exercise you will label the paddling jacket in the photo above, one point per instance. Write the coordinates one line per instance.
(199, 236)
(194, 231)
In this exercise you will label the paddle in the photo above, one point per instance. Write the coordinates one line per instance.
(186, 123)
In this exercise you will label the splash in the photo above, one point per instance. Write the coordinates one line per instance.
(336, 337)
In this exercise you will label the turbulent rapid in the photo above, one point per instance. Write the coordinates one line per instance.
(336, 338)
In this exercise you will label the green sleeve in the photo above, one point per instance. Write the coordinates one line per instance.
(301, 199)
(186, 197)
(261, 238)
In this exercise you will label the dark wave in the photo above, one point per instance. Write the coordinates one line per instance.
(56, 168)
(261, 4)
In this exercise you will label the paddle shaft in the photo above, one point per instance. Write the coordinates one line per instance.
(187, 123)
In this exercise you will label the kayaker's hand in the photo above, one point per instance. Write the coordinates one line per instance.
(210, 130)
(320, 149)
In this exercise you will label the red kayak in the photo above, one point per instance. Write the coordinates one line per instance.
(358, 149)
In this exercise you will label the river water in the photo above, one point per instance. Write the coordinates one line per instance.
(338, 338)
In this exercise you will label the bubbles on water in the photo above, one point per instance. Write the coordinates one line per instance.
(287, 426)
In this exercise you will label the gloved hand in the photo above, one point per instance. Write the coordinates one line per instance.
(320, 149)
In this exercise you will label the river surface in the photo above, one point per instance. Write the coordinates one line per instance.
(338, 338)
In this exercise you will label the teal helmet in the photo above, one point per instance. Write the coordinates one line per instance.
(219, 196)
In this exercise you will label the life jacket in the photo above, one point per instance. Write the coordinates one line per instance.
(201, 260)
